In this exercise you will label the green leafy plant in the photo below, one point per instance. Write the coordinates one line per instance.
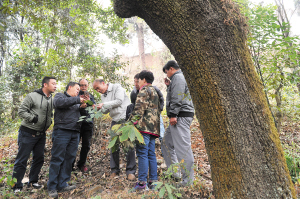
(293, 161)
(125, 134)
(167, 189)
(7, 179)
(93, 113)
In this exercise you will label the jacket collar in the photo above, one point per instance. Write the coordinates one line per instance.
(177, 72)
(145, 85)
(67, 94)
(110, 87)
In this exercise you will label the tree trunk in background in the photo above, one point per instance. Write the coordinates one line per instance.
(141, 44)
(208, 40)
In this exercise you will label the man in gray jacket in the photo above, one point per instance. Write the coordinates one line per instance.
(36, 114)
(115, 102)
(180, 109)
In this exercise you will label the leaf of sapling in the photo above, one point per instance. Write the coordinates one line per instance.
(114, 148)
(131, 134)
(158, 185)
(112, 142)
(168, 189)
(139, 136)
(98, 114)
(81, 118)
(124, 133)
(116, 127)
(162, 192)
(89, 102)
(124, 136)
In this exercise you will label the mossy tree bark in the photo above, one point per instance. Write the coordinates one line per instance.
(207, 38)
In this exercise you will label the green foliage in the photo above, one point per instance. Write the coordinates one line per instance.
(126, 135)
(93, 113)
(54, 38)
(293, 161)
(275, 55)
(7, 179)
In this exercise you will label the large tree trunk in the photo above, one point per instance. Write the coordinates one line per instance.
(141, 43)
(207, 38)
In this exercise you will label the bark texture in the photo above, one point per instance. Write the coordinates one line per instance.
(141, 44)
(207, 38)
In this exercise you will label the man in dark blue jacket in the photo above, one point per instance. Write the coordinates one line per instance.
(65, 138)
(86, 131)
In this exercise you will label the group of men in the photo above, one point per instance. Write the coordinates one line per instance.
(36, 112)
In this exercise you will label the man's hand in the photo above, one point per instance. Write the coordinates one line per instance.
(82, 100)
(173, 121)
(86, 97)
(84, 105)
(99, 106)
(167, 81)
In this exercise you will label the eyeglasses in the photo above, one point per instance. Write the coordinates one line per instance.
(83, 85)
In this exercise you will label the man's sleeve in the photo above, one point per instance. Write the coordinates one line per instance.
(141, 103)
(133, 96)
(161, 98)
(24, 110)
(119, 98)
(65, 102)
(177, 95)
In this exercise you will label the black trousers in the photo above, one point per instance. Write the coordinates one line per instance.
(27, 144)
(86, 133)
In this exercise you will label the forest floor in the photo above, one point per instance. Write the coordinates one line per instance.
(96, 183)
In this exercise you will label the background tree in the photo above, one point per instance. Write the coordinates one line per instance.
(274, 52)
(54, 38)
(208, 40)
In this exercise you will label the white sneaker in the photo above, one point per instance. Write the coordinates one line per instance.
(17, 190)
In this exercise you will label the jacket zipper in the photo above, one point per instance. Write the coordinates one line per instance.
(46, 115)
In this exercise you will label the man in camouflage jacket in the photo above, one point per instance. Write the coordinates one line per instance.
(147, 107)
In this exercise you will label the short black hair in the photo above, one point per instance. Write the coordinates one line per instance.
(72, 84)
(46, 80)
(137, 76)
(147, 75)
(170, 64)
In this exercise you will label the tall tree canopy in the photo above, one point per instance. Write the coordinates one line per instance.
(208, 39)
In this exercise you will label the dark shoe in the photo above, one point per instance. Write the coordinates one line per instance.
(152, 185)
(17, 190)
(35, 185)
(53, 194)
(140, 187)
(67, 188)
(131, 177)
(83, 169)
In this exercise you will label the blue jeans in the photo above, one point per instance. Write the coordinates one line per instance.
(65, 145)
(147, 159)
(27, 143)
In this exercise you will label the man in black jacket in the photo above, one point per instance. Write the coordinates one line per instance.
(65, 138)
(86, 130)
